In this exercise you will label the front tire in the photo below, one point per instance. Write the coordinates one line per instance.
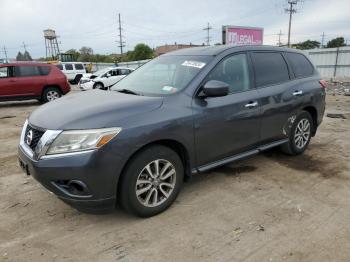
(300, 135)
(151, 181)
(98, 86)
(50, 94)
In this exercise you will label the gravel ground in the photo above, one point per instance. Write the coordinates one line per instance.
(269, 207)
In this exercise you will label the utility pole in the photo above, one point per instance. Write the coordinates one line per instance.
(208, 28)
(322, 40)
(121, 43)
(291, 11)
(5, 51)
(279, 38)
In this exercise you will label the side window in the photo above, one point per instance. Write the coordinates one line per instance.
(5, 72)
(25, 71)
(44, 70)
(79, 66)
(300, 65)
(270, 68)
(234, 71)
(123, 71)
(68, 66)
(113, 72)
(60, 67)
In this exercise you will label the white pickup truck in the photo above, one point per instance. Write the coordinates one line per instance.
(104, 78)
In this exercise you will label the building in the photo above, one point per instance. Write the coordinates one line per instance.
(168, 48)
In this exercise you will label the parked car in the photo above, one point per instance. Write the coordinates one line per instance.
(104, 78)
(183, 113)
(73, 70)
(21, 81)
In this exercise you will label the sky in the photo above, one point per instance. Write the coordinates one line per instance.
(156, 22)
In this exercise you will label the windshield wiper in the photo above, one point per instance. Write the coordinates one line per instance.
(127, 91)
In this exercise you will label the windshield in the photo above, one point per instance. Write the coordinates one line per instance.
(163, 75)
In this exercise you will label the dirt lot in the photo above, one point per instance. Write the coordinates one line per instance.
(270, 207)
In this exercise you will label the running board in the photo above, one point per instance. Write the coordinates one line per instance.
(238, 156)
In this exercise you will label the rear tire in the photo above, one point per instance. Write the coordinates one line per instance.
(50, 94)
(300, 135)
(151, 181)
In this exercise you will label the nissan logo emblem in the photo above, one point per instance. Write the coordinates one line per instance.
(29, 137)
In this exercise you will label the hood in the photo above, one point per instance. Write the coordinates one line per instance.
(87, 75)
(92, 109)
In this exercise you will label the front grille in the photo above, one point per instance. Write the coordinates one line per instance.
(32, 139)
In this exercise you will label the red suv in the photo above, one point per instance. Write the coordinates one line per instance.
(20, 81)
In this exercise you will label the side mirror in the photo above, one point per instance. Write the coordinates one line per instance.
(215, 88)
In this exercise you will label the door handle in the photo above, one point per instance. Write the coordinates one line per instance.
(297, 93)
(251, 104)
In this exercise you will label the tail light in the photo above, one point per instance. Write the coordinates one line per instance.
(323, 83)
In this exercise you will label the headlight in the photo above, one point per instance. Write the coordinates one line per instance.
(81, 140)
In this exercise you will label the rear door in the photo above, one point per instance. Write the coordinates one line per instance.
(28, 80)
(69, 71)
(275, 88)
(7, 82)
(225, 126)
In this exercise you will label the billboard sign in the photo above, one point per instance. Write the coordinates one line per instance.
(240, 35)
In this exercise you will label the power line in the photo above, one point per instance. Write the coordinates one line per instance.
(291, 11)
(121, 43)
(208, 28)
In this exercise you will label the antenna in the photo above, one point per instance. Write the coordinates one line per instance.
(5, 51)
(208, 28)
(322, 40)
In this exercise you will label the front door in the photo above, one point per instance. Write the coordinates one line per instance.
(225, 126)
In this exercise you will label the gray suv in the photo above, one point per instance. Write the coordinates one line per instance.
(182, 113)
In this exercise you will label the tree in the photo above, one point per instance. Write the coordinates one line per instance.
(86, 54)
(336, 42)
(141, 52)
(308, 44)
(19, 57)
(27, 56)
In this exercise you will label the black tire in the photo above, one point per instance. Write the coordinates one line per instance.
(135, 172)
(50, 94)
(294, 145)
(77, 79)
(98, 85)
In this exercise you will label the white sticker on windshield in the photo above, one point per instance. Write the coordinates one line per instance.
(193, 64)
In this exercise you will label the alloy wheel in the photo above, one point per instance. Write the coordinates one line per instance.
(302, 133)
(155, 183)
(52, 95)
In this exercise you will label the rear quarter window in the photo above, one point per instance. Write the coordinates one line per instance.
(44, 70)
(60, 67)
(301, 66)
(270, 68)
(79, 67)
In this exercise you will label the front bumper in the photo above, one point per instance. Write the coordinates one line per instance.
(86, 86)
(97, 178)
